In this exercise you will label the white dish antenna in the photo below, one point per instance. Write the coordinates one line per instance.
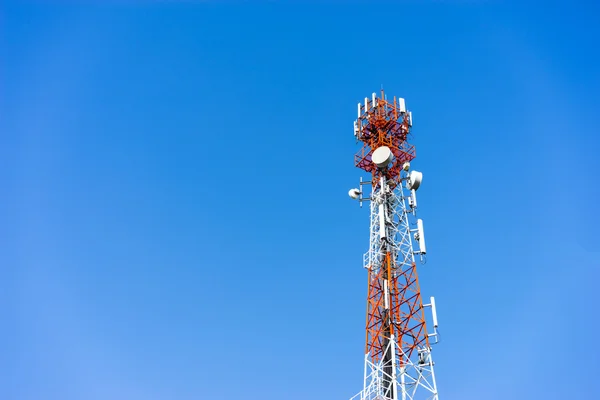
(354, 193)
(382, 156)
(414, 180)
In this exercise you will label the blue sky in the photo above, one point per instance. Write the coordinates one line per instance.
(175, 218)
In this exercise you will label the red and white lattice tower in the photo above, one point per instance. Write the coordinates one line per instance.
(398, 362)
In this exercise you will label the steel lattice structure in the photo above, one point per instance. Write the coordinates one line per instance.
(398, 362)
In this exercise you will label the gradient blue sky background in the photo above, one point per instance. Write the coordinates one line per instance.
(175, 218)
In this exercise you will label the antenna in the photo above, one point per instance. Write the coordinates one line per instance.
(382, 230)
(354, 193)
(414, 180)
(420, 236)
(382, 156)
(401, 105)
(434, 312)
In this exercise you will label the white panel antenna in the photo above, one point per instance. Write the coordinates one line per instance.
(434, 312)
(412, 200)
(382, 232)
(401, 105)
(421, 237)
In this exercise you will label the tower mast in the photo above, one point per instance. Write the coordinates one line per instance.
(398, 362)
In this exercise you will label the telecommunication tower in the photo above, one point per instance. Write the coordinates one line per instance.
(398, 362)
